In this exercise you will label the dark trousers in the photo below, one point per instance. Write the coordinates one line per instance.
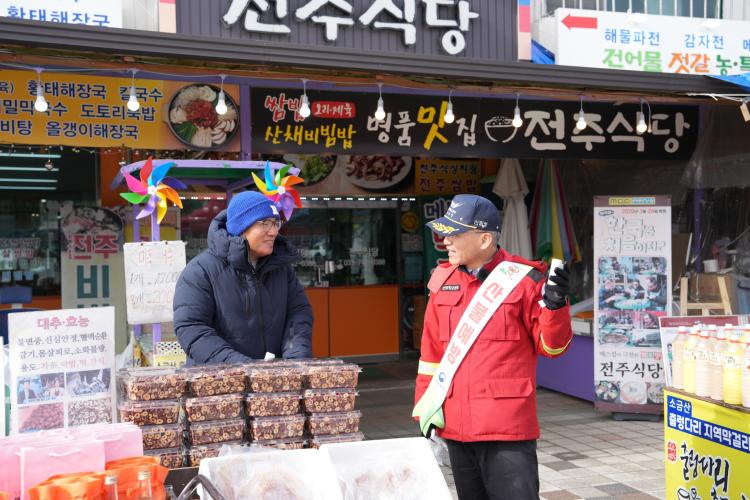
(495, 470)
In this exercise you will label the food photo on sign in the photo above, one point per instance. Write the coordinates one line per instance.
(195, 118)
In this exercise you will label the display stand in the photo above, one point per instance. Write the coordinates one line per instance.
(705, 307)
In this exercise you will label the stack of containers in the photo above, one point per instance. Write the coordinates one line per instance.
(214, 410)
(151, 399)
(328, 400)
(272, 405)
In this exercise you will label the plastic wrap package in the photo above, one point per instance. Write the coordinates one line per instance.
(272, 475)
(394, 469)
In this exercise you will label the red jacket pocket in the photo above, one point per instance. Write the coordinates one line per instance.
(509, 388)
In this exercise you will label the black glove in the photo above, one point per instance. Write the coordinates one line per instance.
(555, 295)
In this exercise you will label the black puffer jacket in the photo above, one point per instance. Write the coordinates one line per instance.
(227, 311)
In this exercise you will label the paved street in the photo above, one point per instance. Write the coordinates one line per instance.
(582, 453)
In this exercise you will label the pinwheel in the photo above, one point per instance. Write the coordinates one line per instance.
(154, 189)
(279, 188)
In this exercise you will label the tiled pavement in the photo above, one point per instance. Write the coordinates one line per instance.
(582, 453)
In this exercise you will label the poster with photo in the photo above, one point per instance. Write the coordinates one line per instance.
(61, 366)
(633, 273)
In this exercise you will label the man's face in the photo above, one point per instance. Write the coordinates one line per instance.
(609, 285)
(261, 236)
(466, 249)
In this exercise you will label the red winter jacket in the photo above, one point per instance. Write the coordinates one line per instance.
(493, 394)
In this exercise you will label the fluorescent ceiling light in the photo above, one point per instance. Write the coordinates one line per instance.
(27, 188)
(27, 169)
(41, 181)
(30, 155)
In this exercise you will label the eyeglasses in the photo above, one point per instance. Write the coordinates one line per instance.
(269, 224)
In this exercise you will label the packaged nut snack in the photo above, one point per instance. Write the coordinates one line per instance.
(333, 423)
(91, 411)
(265, 428)
(156, 437)
(171, 458)
(282, 444)
(331, 376)
(284, 378)
(150, 384)
(198, 453)
(268, 404)
(216, 379)
(328, 400)
(150, 412)
(318, 441)
(217, 431)
(221, 407)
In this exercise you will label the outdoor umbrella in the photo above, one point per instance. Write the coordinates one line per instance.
(511, 187)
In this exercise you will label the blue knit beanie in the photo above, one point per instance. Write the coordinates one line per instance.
(247, 208)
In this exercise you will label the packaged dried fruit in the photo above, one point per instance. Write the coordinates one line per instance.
(266, 428)
(150, 412)
(151, 384)
(333, 423)
(221, 407)
(328, 400)
(331, 376)
(216, 379)
(217, 431)
(197, 453)
(269, 404)
(171, 458)
(156, 437)
(282, 444)
(319, 441)
(274, 379)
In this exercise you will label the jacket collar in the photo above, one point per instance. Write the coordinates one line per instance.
(499, 256)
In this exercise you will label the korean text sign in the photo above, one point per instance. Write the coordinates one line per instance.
(632, 277)
(90, 12)
(344, 122)
(62, 366)
(448, 177)
(707, 449)
(151, 273)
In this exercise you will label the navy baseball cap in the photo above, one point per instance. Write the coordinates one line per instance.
(467, 211)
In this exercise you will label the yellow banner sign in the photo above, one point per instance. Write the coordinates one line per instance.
(707, 449)
(91, 111)
(448, 177)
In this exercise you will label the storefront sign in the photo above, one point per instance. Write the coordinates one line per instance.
(414, 126)
(435, 252)
(449, 177)
(62, 366)
(632, 276)
(661, 44)
(151, 273)
(92, 111)
(707, 449)
(91, 12)
(330, 174)
(668, 326)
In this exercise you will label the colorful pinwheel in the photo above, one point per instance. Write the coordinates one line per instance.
(155, 187)
(279, 189)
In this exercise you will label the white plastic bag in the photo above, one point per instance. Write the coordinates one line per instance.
(440, 450)
(126, 358)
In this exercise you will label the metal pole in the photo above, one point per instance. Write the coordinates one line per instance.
(697, 201)
(155, 236)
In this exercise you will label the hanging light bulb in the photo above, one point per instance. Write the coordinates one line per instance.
(49, 165)
(133, 104)
(517, 121)
(41, 104)
(581, 123)
(641, 127)
(221, 105)
(304, 107)
(449, 117)
(380, 112)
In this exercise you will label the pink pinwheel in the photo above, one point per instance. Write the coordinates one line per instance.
(153, 188)
(279, 189)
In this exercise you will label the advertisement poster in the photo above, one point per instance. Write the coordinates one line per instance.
(669, 326)
(434, 248)
(632, 277)
(92, 262)
(707, 449)
(62, 366)
(447, 177)
(151, 273)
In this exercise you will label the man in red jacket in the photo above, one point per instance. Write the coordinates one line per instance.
(476, 383)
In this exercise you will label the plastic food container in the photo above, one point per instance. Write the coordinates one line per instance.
(171, 458)
(319, 441)
(268, 428)
(333, 423)
(143, 413)
(268, 404)
(216, 379)
(328, 400)
(221, 407)
(274, 379)
(157, 437)
(151, 384)
(197, 453)
(331, 376)
(217, 431)
(283, 444)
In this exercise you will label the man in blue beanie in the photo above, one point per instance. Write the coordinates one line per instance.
(241, 299)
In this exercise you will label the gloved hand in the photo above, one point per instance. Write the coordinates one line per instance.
(555, 295)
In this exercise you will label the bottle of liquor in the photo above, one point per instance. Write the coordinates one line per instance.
(716, 362)
(688, 361)
(733, 370)
(702, 367)
(144, 485)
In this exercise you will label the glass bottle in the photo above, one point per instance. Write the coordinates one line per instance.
(110, 487)
(144, 485)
